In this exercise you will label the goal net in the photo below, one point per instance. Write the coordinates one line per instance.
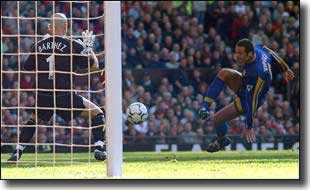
(57, 141)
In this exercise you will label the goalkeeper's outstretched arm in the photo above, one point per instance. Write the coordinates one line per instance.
(287, 72)
(87, 44)
(88, 41)
(94, 60)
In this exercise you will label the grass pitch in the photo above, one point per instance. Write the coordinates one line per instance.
(164, 165)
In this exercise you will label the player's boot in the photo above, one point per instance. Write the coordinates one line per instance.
(15, 155)
(218, 144)
(204, 111)
(100, 153)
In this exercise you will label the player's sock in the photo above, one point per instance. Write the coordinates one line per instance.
(221, 140)
(99, 146)
(27, 132)
(99, 134)
(221, 130)
(20, 147)
(99, 131)
(214, 90)
(24, 137)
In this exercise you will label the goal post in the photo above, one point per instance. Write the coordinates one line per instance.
(113, 77)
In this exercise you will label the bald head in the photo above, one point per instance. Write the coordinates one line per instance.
(58, 25)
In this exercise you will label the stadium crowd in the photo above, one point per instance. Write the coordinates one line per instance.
(170, 52)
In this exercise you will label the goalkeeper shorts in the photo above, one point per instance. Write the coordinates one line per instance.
(65, 105)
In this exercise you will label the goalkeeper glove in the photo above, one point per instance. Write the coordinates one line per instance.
(88, 41)
(88, 38)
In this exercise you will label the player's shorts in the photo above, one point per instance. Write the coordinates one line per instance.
(240, 101)
(64, 107)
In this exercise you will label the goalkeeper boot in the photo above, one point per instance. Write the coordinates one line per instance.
(100, 153)
(218, 144)
(15, 155)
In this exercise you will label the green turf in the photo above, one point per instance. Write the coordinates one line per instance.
(165, 165)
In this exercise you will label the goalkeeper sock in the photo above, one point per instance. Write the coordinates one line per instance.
(214, 90)
(20, 147)
(99, 131)
(99, 146)
(27, 132)
(221, 130)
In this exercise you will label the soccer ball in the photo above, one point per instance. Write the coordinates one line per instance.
(136, 113)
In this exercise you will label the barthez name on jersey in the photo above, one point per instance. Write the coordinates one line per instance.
(52, 45)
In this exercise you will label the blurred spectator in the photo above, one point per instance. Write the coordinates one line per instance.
(188, 136)
(199, 10)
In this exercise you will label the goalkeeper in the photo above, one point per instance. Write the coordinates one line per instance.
(57, 57)
(251, 88)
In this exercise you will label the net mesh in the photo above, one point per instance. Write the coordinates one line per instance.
(22, 24)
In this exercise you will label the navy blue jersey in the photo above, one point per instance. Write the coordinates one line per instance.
(52, 56)
(256, 80)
